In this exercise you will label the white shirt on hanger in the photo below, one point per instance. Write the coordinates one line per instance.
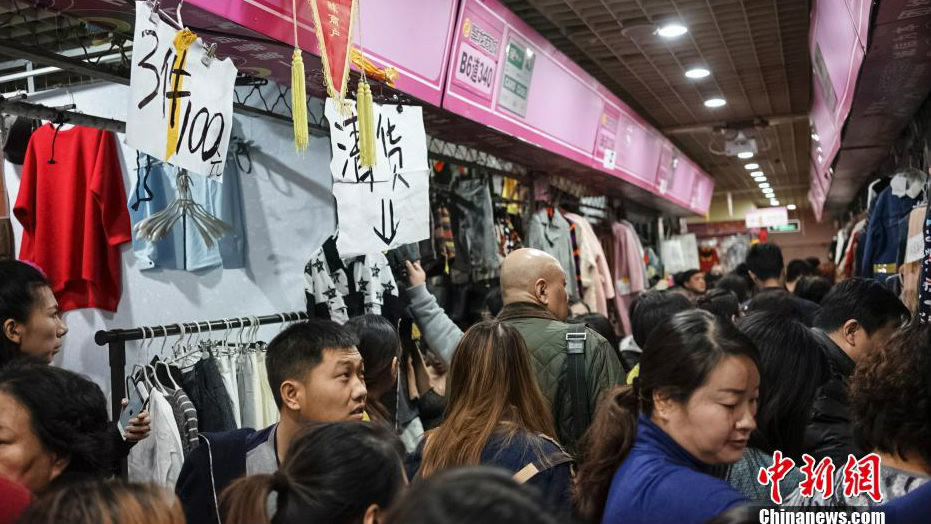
(159, 457)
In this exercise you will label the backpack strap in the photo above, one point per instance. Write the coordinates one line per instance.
(578, 387)
(557, 458)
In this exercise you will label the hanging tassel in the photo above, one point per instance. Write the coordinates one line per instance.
(298, 101)
(365, 112)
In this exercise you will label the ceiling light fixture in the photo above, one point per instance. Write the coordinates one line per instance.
(672, 30)
(715, 102)
(745, 155)
(756, 173)
(815, 137)
(774, 203)
(759, 179)
(697, 72)
(751, 166)
(791, 207)
(767, 189)
(764, 185)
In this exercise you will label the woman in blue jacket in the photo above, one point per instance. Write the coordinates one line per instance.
(650, 449)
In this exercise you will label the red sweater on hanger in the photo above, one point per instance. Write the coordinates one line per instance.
(74, 214)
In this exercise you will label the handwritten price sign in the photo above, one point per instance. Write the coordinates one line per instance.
(387, 206)
(181, 105)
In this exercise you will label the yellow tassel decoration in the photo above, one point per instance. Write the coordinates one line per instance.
(387, 76)
(299, 101)
(183, 40)
(366, 114)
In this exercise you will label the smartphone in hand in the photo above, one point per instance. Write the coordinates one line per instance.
(138, 398)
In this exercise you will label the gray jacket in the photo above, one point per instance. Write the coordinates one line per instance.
(436, 328)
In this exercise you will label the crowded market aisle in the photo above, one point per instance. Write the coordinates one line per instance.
(462, 272)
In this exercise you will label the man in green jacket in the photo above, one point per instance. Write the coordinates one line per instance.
(533, 288)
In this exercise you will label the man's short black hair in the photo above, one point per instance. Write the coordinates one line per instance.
(864, 300)
(765, 261)
(299, 349)
(797, 269)
(652, 309)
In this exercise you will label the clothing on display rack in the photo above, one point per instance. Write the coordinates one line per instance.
(924, 291)
(158, 459)
(848, 266)
(550, 233)
(735, 249)
(629, 270)
(473, 226)
(72, 173)
(7, 242)
(883, 233)
(597, 283)
(204, 385)
(707, 259)
(184, 248)
(340, 289)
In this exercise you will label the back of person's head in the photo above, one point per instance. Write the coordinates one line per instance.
(469, 495)
(741, 514)
(678, 359)
(792, 367)
(778, 302)
(735, 283)
(19, 297)
(379, 345)
(765, 262)
(98, 501)
(297, 350)
(890, 396)
(66, 413)
(601, 325)
(813, 288)
(864, 300)
(491, 380)
(651, 309)
(814, 263)
(721, 302)
(797, 269)
(493, 302)
(336, 473)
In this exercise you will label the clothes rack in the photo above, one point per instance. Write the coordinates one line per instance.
(115, 340)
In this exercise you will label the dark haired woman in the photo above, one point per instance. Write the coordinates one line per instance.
(53, 423)
(650, 449)
(792, 366)
(339, 473)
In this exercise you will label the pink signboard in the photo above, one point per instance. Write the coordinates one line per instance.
(836, 55)
(702, 191)
(683, 179)
(860, 17)
(409, 35)
(638, 149)
(536, 93)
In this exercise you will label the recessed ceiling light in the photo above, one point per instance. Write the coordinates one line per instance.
(697, 72)
(815, 137)
(751, 166)
(715, 102)
(759, 179)
(756, 173)
(791, 207)
(744, 155)
(672, 30)
(764, 185)
(767, 189)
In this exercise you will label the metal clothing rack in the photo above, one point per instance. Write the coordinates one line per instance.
(115, 340)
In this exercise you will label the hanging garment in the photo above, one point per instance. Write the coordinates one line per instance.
(472, 224)
(707, 259)
(847, 267)
(924, 292)
(597, 283)
(551, 234)
(184, 247)
(227, 365)
(629, 270)
(576, 253)
(250, 390)
(269, 409)
(882, 235)
(186, 418)
(204, 385)
(72, 206)
(446, 244)
(340, 289)
(840, 245)
(159, 457)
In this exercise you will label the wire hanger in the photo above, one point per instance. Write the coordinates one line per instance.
(157, 226)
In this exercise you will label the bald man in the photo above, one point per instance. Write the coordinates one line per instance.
(533, 288)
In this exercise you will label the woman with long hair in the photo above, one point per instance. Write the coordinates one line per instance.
(98, 501)
(379, 346)
(651, 447)
(497, 416)
(339, 473)
(29, 316)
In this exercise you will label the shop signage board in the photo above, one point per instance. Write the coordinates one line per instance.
(639, 148)
(181, 103)
(794, 226)
(702, 189)
(516, 76)
(683, 180)
(386, 206)
(767, 217)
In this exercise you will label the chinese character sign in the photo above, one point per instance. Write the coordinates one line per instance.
(333, 23)
(181, 105)
(859, 477)
(386, 206)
